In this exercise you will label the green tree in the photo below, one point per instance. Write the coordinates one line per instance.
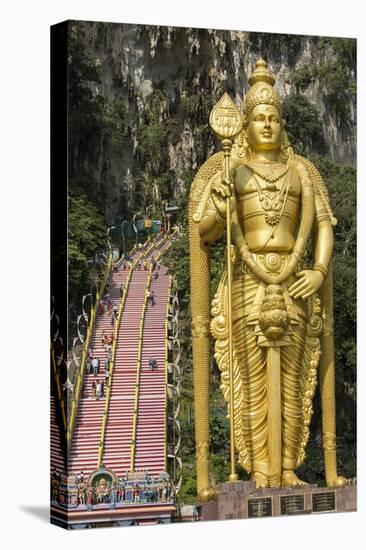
(303, 124)
(86, 240)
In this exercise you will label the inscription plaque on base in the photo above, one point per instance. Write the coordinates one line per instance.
(324, 502)
(259, 507)
(292, 504)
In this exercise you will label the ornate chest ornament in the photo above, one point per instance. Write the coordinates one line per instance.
(271, 198)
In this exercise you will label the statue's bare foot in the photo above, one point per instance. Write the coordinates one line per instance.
(290, 479)
(261, 480)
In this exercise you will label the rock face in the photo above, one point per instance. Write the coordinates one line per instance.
(171, 77)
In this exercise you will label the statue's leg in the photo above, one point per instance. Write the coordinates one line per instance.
(253, 374)
(292, 400)
(252, 361)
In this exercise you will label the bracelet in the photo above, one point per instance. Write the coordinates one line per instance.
(321, 268)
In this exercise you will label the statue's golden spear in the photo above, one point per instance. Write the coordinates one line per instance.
(226, 122)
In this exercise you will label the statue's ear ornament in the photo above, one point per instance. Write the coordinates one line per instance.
(286, 151)
(241, 147)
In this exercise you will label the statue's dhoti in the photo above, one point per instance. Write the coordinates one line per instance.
(294, 353)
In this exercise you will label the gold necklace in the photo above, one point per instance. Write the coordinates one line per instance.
(272, 200)
(268, 171)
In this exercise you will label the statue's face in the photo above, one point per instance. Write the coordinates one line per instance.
(264, 128)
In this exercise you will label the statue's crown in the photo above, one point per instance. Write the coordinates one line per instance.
(261, 88)
(261, 73)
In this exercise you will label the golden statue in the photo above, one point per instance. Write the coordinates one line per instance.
(271, 316)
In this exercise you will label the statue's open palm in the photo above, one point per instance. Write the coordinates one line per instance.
(309, 282)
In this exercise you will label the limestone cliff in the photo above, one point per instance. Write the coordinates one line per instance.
(158, 85)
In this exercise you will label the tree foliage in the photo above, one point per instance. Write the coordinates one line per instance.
(336, 75)
(86, 238)
(303, 124)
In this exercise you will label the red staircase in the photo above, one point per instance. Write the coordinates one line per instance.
(150, 451)
(86, 437)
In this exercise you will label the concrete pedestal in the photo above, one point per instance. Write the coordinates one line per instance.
(242, 500)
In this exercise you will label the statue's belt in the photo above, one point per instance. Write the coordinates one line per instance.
(272, 262)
